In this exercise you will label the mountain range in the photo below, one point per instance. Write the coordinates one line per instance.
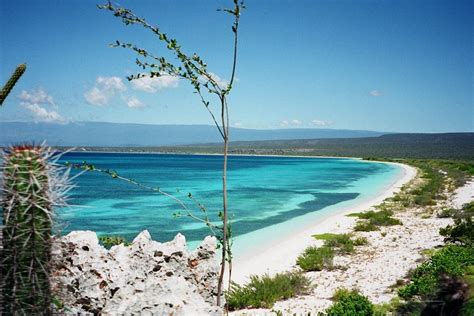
(132, 135)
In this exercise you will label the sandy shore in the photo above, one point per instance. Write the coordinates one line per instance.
(463, 195)
(372, 269)
(282, 254)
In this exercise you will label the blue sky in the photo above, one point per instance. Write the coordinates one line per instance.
(404, 66)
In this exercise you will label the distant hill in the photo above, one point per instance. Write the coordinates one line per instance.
(96, 134)
(440, 146)
(408, 145)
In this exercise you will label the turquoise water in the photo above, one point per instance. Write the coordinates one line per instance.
(263, 192)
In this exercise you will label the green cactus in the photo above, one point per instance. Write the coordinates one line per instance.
(32, 186)
(11, 83)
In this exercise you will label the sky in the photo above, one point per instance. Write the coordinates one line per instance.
(392, 66)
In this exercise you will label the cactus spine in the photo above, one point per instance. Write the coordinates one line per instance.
(11, 82)
(32, 186)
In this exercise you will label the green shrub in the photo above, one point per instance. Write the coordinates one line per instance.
(109, 241)
(342, 242)
(468, 208)
(462, 231)
(325, 236)
(424, 200)
(360, 241)
(427, 193)
(468, 308)
(452, 260)
(383, 218)
(374, 219)
(446, 212)
(264, 291)
(316, 259)
(364, 226)
(350, 303)
(397, 198)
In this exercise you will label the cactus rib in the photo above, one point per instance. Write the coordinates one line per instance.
(11, 82)
(32, 186)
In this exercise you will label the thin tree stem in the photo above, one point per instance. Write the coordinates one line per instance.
(224, 202)
(234, 63)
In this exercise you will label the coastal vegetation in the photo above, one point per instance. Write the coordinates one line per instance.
(316, 258)
(372, 220)
(429, 281)
(342, 243)
(446, 280)
(447, 148)
(450, 261)
(263, 291)
(319, 258)
(110, 241)
(462, 231)
(446, 270)
(371, 67)
(350, 302)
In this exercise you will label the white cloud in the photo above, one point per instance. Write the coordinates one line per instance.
(43, 115)
(291, 123)
(104, 89)
(95, 96)
(38, 96)
(321, 122)
(376, 93)
(36, 101)
(284, 123)
(111, 83)
(155, 84)
(133, 102)
(296, 122)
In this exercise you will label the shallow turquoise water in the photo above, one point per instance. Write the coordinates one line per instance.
(263, 191)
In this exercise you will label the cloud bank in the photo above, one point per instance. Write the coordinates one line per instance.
(104, 89)
(37, 103)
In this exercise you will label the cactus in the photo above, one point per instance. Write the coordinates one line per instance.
(33, 185)
(11, 83)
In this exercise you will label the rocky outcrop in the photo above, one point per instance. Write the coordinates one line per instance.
(146, 277)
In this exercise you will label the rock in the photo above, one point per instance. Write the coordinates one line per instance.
(205, 271)
(143, 278)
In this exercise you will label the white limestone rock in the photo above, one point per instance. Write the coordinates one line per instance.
(146, 277)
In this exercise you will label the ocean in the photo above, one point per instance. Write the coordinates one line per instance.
(263, 192)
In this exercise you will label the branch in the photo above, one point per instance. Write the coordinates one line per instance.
(194, 63)
(206, 105)
(235, 29)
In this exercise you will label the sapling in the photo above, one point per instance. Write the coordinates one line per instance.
(192, 68)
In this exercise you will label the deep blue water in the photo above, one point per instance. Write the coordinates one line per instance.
(263, 191)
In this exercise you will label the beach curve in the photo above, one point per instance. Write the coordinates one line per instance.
(280, 255)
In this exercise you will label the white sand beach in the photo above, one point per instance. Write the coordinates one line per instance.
(282, 254)
(373, 269)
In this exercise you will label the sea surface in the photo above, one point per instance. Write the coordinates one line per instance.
(263, 192)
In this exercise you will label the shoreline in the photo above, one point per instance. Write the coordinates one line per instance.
(280, 255)
(215, 154)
